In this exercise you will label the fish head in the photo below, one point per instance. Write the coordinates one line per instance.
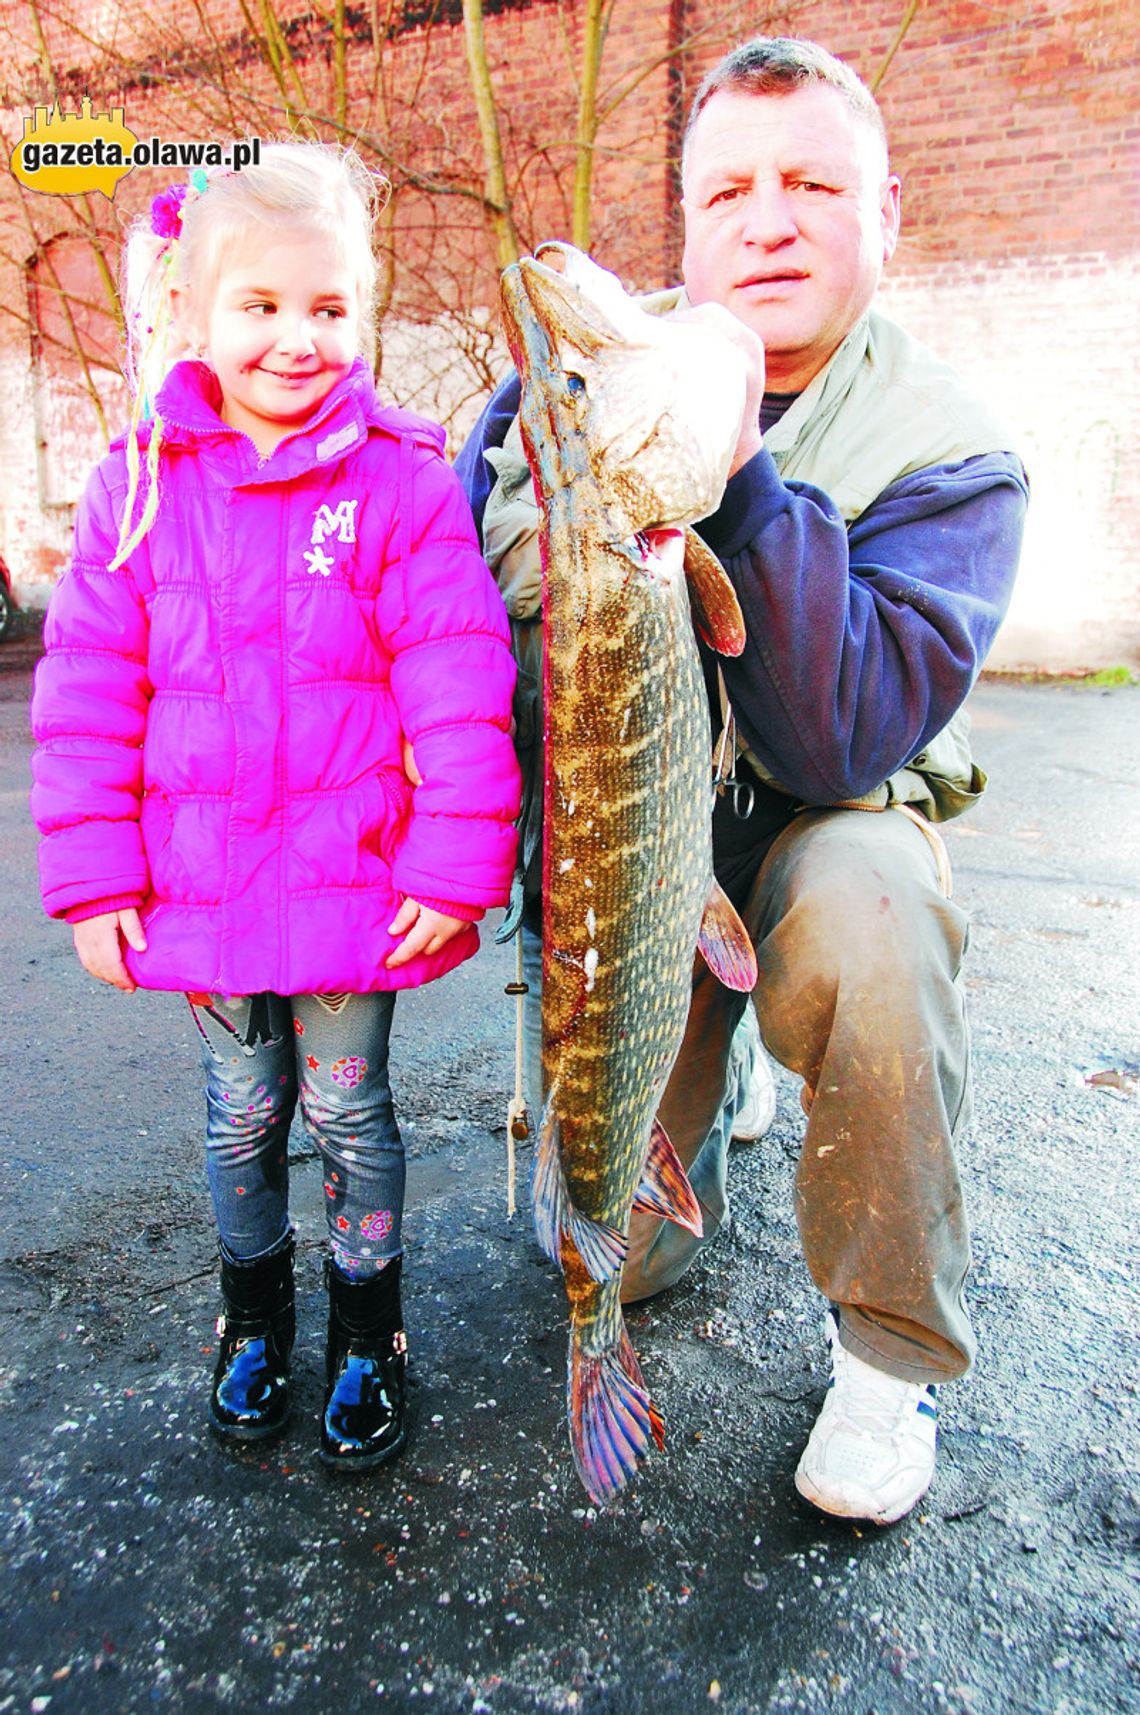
(649, 407)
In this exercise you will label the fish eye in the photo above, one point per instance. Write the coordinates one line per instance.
(575, 385)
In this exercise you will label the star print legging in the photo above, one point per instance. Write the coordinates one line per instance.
(262, 1053)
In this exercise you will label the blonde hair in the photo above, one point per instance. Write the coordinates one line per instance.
(182, 244)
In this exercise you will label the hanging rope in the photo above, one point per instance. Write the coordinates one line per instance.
(518, 1126)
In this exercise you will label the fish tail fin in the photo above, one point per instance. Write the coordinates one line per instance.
(613, 1421)
(725, 943)
(665, 1188)
(602, 1248)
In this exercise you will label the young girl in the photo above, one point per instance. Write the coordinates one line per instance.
(275, 767)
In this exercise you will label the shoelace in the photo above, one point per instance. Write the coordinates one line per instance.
(868, 1404)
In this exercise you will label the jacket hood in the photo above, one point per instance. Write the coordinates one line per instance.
(189, 406)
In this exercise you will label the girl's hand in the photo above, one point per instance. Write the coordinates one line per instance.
(424, 931)
(100, 949)
(410, 768)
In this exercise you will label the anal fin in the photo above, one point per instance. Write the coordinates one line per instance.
(725, 944)
(602, 1248)
(665, 1188)
(548, 1186)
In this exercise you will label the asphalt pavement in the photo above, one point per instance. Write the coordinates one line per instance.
(143, 1567)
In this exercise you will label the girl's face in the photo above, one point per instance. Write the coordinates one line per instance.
(282, 330)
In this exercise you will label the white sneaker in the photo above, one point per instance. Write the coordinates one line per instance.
(871, 1452)
(758, 1108)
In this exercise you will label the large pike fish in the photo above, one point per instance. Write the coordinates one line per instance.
(629, 423)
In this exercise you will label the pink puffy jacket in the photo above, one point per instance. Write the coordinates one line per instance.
(220, 721)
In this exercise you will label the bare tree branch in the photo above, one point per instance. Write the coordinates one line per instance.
(900, 35)
(463, 203)
(498, 200)
(594, 29)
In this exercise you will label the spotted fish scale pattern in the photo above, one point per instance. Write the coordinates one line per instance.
(627, 859)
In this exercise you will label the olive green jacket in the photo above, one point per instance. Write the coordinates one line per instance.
(882, 408)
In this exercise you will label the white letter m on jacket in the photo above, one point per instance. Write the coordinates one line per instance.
(341, 523)
(326, 522)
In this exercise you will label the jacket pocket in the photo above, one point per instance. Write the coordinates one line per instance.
(395, 811)
(156, 824)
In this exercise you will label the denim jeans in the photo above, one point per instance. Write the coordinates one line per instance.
(261, 1053)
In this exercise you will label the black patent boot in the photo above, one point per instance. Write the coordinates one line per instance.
(363, 1420)
(250, 1396)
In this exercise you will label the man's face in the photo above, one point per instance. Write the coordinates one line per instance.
(790, 214)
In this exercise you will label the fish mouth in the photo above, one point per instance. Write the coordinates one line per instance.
(548, 291)
(559, 302)
(617, 397)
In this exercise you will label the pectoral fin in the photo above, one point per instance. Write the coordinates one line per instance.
(665, 1188)
(716, 611)
(725, 944)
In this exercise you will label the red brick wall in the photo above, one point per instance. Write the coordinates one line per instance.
(1013, 126)
(1016, 131)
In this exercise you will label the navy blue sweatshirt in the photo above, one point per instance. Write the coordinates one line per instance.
(862, 641)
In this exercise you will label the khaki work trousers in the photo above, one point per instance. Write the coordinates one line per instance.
(859, 954)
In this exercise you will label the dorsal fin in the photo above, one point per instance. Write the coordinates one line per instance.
(665, 1188)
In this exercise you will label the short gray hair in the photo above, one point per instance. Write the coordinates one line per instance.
(779, 65)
